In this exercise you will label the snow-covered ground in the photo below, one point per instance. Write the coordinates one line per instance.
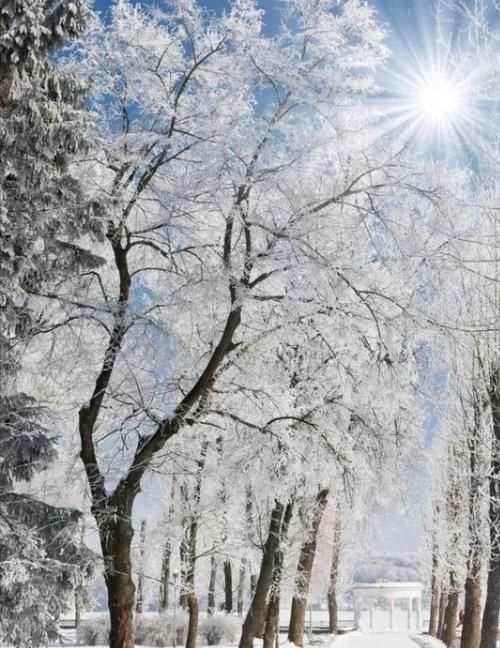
(380, 637)
(354, 640)
(424, 641)
(375, 640)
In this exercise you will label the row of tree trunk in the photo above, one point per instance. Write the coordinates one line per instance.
(262, 618)
(480, 626)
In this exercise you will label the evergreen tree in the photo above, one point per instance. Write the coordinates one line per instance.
(43, 128)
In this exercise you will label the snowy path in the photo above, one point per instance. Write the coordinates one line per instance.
(376, 640)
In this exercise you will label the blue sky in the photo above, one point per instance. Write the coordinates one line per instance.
(402, 16)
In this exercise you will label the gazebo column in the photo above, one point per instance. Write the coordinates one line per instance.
(370, 603)
(391, 613)
(356, 612)
(418, 605)
(409, 610)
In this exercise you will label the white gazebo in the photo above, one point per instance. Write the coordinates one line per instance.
(369, 593)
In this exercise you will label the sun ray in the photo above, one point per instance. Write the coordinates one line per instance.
(435, 95)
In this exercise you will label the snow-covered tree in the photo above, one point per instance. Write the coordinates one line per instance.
(249, 210)
(42, 127)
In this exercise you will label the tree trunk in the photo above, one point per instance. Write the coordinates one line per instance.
(489, 630)
(227, 567)
(271, 629)
(188, 598)
(193, 622)
(228, 586)
(164, 598)
(450, 616)
(245, 565)
(80, 592)
(211, 586)
(116, 533)
(139, 605)
(165, 578)
(78, 609)
(443, 603)
(188, 550)
(334, 571)
(435, 595)
(121, 604)
(190, 532)
(256, 614)
(185, 553)
(471, 629)
(272, 621)
(303, 578)
(434, 611)
(241, 586)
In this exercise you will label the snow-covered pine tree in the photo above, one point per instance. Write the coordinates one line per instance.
(41, 558)
(43, 126)
(42, 210)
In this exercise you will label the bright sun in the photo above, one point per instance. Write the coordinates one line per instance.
(438, 98)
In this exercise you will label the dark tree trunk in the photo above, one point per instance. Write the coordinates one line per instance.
(78, 608)
(121, 592)
(334, 571)
(193, 622)
(471, 629)
(228, 586)
(435, 578)
(434, 611)
(272, 622)
(303, 577)
(241, 585)
(255, 617)
(489, 630)
(443, 602)
(139, 605)
(165, 578)
(227, 567)
(435, 595)
(271, 629)
(450, 615)
(211, 586)
(116, 533)
(80, 594)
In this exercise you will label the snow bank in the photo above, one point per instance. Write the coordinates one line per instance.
(426, 641)
(325, 641)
